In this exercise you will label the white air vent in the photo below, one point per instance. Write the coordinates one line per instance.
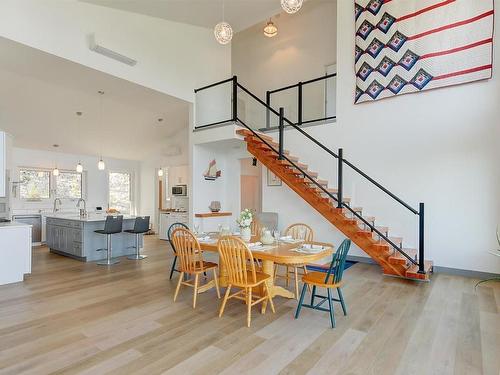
(93, 46)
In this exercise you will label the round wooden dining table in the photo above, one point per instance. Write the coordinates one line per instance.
(282, 253)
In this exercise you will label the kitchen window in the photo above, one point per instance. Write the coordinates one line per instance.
(120, 193)
(34, 184)
(69, 185)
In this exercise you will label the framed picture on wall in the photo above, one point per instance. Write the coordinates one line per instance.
(272, 179)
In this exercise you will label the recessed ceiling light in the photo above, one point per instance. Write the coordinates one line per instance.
(55, 145)
(160, 119)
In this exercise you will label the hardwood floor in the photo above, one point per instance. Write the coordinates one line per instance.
(70, 317)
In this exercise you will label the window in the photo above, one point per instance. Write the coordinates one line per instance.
(120, 192)
(69, 185)
(34, 184)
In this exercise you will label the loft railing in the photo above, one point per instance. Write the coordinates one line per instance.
(339, 157)
(310, 101)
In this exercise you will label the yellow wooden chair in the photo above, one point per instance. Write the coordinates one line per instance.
(190, 255)
(298, 231)
(240, 267)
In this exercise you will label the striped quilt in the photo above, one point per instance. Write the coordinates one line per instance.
(406, 46)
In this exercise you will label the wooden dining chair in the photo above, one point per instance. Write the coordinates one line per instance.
(170, 230)
(192, 263)
(241, 273)
(298, 231)
(332, 280)
(256, 227)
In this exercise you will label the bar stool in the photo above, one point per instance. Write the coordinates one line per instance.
(113, 225)
(141, 226)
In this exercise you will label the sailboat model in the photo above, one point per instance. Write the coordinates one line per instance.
(212, 173)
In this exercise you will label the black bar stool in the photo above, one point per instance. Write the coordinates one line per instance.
(141, 226)
(113, 225)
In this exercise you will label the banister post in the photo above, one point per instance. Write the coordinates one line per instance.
(340, 182)
(421, 256)
(235, 99)
(281, 131)
(268, 113)
(299, 109)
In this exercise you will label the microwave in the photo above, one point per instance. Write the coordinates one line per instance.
(179, 190)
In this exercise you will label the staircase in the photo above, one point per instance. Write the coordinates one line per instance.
(393, 262)
(375, 240)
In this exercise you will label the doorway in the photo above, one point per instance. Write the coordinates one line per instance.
(251, 184)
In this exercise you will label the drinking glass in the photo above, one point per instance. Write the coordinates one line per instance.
(276, 235)
(197, 228)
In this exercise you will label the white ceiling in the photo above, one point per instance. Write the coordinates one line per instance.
(40, 94)
(241, 14)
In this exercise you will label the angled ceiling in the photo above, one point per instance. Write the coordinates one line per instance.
(41, 93)
(241, 14)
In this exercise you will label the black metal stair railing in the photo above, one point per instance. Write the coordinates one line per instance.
(341, 161)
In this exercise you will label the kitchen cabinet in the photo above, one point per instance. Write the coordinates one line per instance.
(169, 218)
(65, 236)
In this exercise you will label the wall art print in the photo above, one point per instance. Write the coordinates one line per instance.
(407, 46)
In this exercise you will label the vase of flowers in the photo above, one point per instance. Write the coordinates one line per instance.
(244, 222)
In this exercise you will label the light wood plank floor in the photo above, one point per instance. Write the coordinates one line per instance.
(70, 317)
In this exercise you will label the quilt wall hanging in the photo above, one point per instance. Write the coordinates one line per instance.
(407, 46)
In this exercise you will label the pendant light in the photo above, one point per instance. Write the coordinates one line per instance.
(270, 30)
(100, 165)
(79, 166)
(223, 31)
(160, 172)
(55, 171)
(291, 6)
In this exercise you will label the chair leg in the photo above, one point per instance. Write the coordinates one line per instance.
(296, 275)
(287, 280)
(269, 297)
(275, 270)
(216, 284)
(301, 300)
(249, 306)
(313, 295)
(305, 273)
(173, 267)
(330, 304)
(178, 286)
(196, 279)
(341, 297)
(224, 301)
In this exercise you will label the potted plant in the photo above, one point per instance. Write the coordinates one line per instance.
(244, 222)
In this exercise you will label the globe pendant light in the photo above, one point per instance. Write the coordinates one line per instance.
(223, 31)
(79, 167)
(270, 30)
(291, 6)
(160, 172)
(55, 172)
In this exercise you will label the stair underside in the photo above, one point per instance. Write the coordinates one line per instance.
(392, 262)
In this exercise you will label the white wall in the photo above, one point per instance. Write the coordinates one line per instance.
(97, 181)
(439, 147)
(173, 58)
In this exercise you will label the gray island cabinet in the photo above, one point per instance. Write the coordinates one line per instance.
(75, 237)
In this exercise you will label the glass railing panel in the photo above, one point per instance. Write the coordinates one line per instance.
(318, 100)
(288, 99)
(214, 104)
(253, 113)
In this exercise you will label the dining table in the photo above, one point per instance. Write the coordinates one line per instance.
(283, 252)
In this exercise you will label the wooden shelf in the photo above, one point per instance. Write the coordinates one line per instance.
(214, 214)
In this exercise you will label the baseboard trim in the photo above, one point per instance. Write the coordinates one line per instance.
(436, 269)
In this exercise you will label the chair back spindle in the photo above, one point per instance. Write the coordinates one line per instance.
(238, 260)
(188, 250)
(300, 231)
(337, 265)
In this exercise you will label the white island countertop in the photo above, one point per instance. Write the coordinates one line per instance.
(90, 218)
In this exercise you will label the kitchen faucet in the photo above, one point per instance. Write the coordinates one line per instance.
(57, 200)
(84, 211)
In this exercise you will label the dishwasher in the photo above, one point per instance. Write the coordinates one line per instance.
(36, 225)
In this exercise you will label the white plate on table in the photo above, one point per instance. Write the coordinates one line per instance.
(310, 249)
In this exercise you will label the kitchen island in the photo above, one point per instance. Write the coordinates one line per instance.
(74, 236)
(15, 252)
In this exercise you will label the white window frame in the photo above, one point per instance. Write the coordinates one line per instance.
(132, 187)
(52, 185)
